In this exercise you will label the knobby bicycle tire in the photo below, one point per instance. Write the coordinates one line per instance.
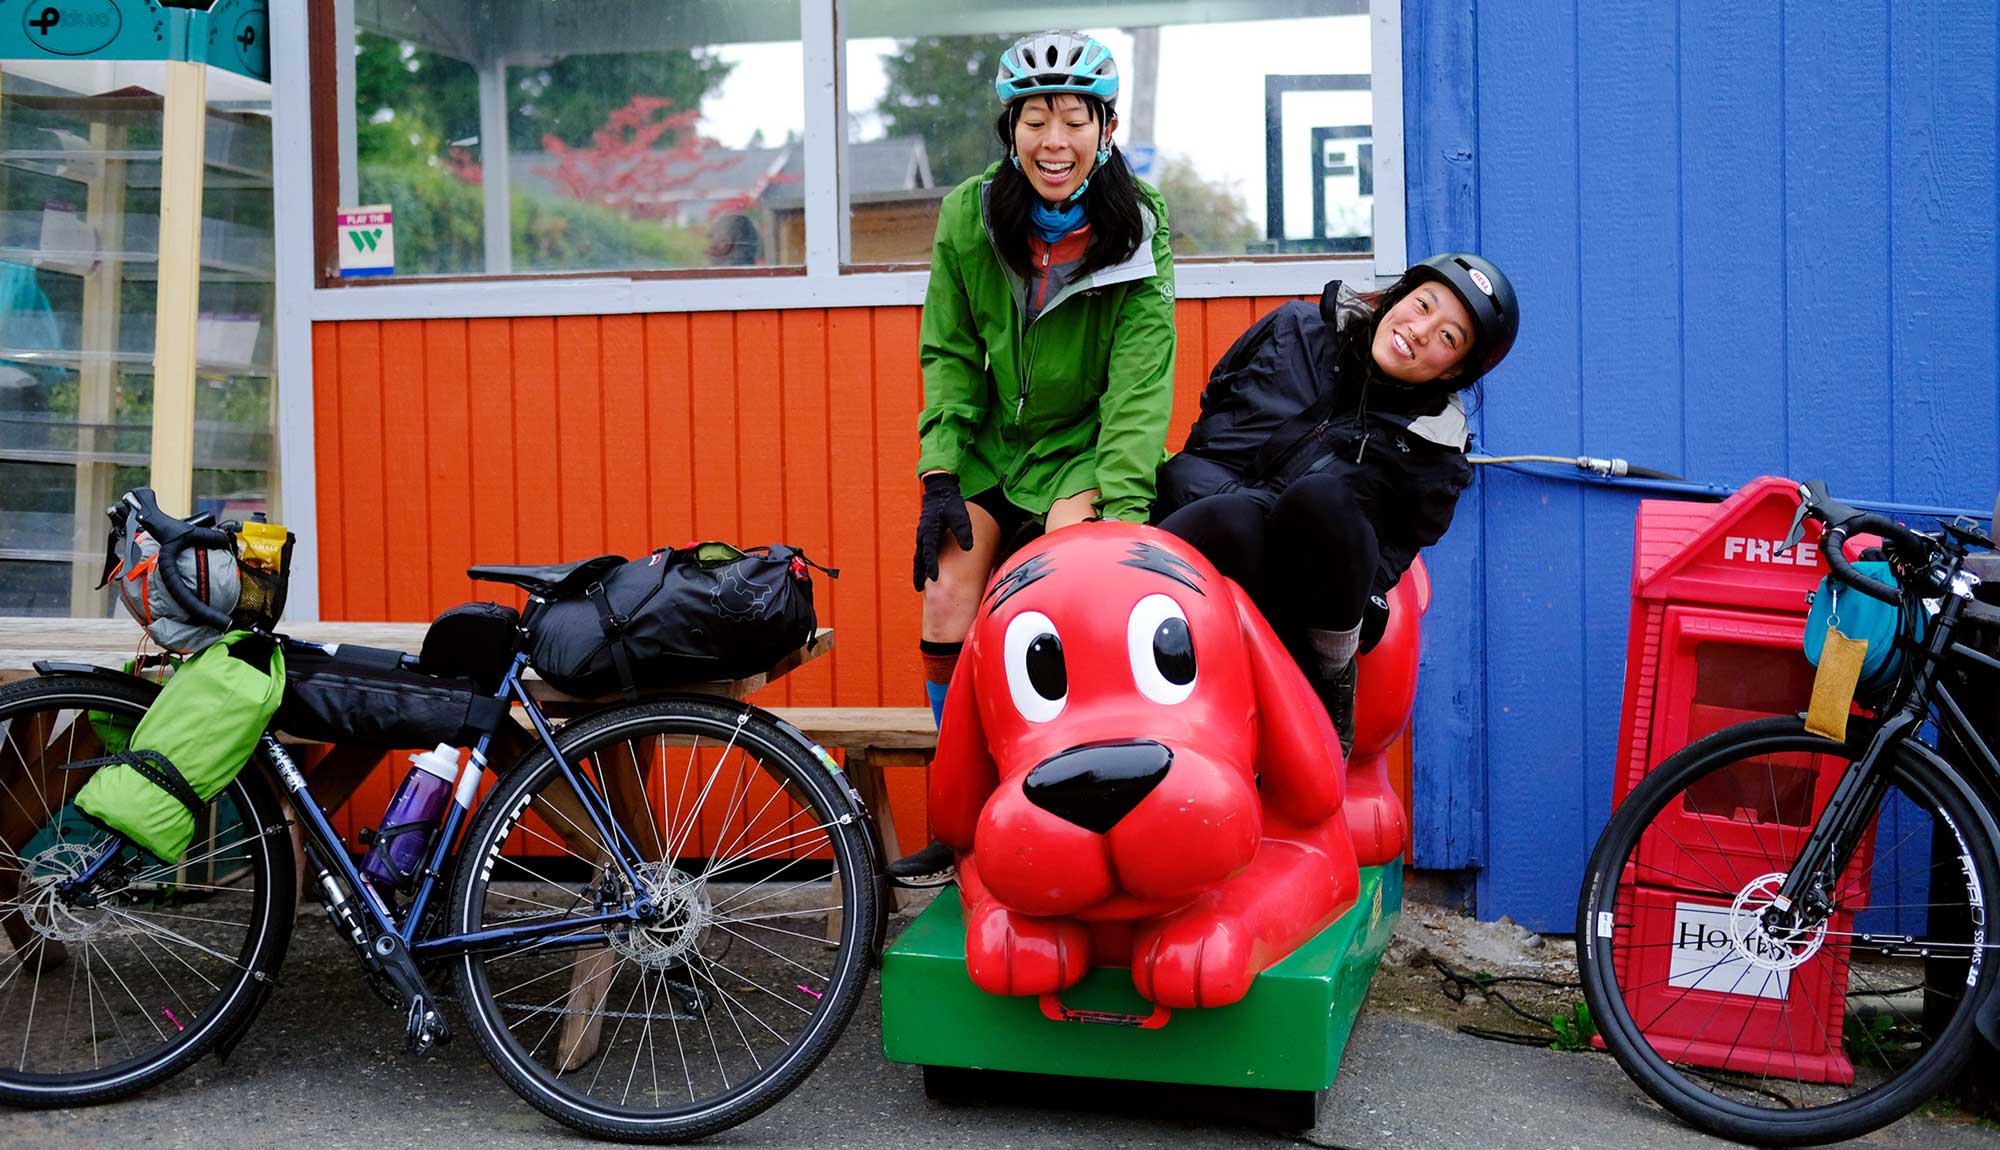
(758, 844)
(155, 953)
(1879, 1029)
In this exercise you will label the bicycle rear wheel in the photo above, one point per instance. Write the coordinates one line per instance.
(102, 998)
(1802, 1036)
(759, 862)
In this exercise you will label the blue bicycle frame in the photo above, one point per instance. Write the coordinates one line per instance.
(330, 851)
(382, 919)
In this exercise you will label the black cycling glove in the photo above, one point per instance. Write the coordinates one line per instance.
(943, 510)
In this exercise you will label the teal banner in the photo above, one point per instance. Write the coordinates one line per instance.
(233, 35)
(91, 30)
(237, 37)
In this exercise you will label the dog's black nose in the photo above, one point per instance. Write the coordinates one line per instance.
(1097, 784)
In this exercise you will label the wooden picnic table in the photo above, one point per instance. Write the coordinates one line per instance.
(112, 642)
(342, 770)
(873, 737)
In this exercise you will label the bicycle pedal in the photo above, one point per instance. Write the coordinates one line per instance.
(425, 1029)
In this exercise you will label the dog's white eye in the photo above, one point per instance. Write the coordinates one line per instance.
(1036, 676)
(1162, 650)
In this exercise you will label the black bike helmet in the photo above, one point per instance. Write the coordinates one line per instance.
(1486, 294)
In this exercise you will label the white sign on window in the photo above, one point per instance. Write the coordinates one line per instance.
(367, 240)
(1704, 957)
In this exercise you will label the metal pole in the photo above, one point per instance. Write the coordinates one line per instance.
(494, 166)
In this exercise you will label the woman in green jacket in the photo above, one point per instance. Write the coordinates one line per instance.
(1048, 337)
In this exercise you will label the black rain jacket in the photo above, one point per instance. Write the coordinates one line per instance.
(1297, 395)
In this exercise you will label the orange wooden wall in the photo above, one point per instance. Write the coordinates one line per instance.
(441, 443)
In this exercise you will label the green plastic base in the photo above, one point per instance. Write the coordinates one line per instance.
(1287, 1033)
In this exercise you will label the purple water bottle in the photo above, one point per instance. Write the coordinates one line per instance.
(413, 817)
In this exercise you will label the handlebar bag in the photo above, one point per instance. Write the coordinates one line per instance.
(1863, 617)
(696, 614)
(359, 696)
(194, 738)
(132, 565)
(246, 581)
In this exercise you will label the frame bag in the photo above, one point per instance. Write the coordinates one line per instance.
(361, 696)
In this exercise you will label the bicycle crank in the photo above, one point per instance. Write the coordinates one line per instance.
(424, 1027)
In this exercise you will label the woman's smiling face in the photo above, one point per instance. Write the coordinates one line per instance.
(1057, 138)
(1424, 337)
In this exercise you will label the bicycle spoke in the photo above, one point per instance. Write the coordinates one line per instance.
(741, 833)
(1818, 1010)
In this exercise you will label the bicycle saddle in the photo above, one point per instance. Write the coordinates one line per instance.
(554, 581)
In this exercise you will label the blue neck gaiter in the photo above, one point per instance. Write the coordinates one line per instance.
(1053, 224)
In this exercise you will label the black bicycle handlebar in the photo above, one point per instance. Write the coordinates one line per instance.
(1842, 521)
(175, 536)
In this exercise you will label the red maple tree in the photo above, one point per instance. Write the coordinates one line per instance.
(625, 168)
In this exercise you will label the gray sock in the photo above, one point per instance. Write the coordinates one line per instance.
(1333, 650)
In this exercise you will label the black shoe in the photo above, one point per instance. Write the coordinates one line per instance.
(932, 866)
(1337, 696)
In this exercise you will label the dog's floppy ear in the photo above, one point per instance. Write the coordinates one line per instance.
(1298, 754)
(963, 773)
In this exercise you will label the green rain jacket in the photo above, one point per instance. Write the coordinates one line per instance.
(1079, 399)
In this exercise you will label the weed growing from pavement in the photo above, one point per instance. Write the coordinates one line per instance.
(1574, 1028)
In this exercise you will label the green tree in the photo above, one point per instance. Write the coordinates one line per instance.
(1208, 217)
(409, 103)
(940, 89)
(571, 97)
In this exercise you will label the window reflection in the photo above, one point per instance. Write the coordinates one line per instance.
(604, 135)
(1258, 132)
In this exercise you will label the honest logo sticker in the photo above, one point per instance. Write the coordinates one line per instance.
(1705, 957)
(367, 240)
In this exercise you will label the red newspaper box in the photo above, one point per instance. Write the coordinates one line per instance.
(1718, 616)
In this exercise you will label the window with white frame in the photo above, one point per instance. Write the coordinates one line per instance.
(523, 138)
(1222, 106)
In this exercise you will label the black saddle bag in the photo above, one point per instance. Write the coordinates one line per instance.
(678, 616)
(359, 696)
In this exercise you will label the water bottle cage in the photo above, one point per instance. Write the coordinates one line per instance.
(374, 839)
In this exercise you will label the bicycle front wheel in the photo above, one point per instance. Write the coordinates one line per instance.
(759, 864)
(1787, 1037)
(105, 995)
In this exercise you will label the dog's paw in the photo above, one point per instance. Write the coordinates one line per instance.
(1008, 953)
(1193, 960)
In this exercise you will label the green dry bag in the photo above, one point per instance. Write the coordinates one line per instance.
(192, 741)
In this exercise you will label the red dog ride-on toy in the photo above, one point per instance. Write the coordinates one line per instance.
(1135, 773)
(1137, 777)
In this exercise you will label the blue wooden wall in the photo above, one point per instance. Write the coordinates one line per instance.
(1749, 238)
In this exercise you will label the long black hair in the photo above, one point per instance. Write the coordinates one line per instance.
(1110, 203)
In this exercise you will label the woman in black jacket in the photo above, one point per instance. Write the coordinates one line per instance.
(1331, 449)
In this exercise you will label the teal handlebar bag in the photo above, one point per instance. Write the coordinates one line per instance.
(192, 742)
(1863, 617)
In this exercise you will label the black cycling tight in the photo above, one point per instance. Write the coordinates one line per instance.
(1308, 559)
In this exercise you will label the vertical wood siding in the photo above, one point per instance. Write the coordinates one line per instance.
(441, 443)
(1752, 238)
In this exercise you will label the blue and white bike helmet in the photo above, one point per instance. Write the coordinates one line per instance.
(1050, 62)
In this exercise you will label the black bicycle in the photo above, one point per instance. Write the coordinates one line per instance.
(659, 922)
(1786, 939)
